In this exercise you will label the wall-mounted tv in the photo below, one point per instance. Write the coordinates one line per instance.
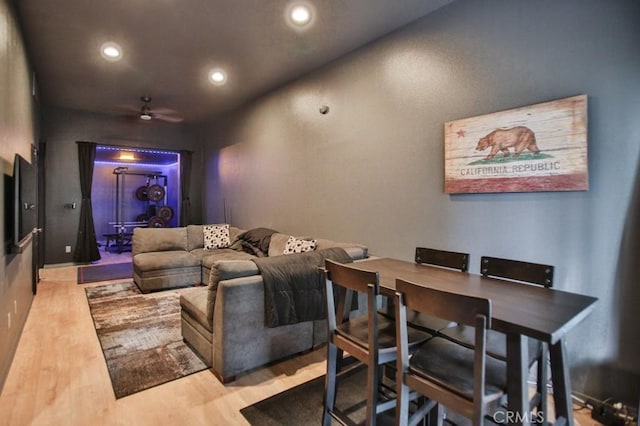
(20, 191)
(9, 216)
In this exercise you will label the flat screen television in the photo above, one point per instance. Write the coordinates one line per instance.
(9, 216)
(19, 204)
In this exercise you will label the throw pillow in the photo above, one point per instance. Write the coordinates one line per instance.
(216, 236)
(296, 245)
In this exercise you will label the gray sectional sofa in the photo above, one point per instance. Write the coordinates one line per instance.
(225, 320)
(175, 257)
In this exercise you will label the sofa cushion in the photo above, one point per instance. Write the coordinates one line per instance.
(216, 236)
(164, 260)
(297, 245)
(210, 257)
(279, 241)
(194, 301)
(147, 240)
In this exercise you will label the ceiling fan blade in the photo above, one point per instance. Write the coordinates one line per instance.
(168, 118)
(166, 111)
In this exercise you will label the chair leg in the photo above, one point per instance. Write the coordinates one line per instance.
(373, 382)
(402, 402)
(541, 385)
(478, 416)
(427, 413)
(436, 416)
(330, 383)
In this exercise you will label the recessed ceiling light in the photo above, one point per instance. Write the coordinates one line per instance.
(111, 51)
(217, 77)
(300, 15)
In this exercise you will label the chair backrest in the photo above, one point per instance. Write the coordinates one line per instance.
(344, 282)
(352, 278)
(463, 309)
(460, 308)
(532, 273)
(447, 259)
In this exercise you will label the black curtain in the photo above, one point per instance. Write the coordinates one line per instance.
(86, 249)
(185, 187)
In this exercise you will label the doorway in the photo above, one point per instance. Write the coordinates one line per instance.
(133, 187)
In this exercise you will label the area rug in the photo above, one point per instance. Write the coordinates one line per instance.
(114, 271)
(302, 405)
(140, 337)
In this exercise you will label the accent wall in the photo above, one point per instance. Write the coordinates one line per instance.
(371, 170)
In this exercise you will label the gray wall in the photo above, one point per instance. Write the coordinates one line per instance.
(18, 130)
(62, 129)
(372, 169)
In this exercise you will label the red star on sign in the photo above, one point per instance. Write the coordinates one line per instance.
(460, 133)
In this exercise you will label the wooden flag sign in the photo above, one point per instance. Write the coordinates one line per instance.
(540, 147)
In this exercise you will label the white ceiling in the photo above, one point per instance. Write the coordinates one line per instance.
(170, 46)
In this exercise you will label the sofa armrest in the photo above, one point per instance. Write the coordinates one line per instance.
(223, 270)
(238, 320)
(355, 251)
(229, 269)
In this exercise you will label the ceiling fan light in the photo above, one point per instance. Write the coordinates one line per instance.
(145, 111)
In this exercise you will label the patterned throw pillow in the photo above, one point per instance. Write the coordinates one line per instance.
(296, 245)
(216, 236)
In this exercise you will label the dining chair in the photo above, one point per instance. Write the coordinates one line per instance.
(370, 338)
(463, 379)
(444, 259)
(522, 273)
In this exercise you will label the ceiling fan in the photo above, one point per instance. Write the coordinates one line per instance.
(163, 114)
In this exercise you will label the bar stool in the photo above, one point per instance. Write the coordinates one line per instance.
(523, 273)
(461, 378)
(370, 338)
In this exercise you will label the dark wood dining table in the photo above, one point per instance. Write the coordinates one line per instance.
(520, 311)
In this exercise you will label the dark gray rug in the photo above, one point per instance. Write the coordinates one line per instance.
(302, 405)
(114, 271)
(140, 337)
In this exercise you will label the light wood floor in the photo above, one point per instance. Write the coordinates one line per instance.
(59, 376)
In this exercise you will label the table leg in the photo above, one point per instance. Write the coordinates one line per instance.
(518, 410)
(561, 383)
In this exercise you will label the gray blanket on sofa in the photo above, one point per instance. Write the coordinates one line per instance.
(293, 289)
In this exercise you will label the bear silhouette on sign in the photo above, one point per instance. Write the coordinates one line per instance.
(519, 138)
